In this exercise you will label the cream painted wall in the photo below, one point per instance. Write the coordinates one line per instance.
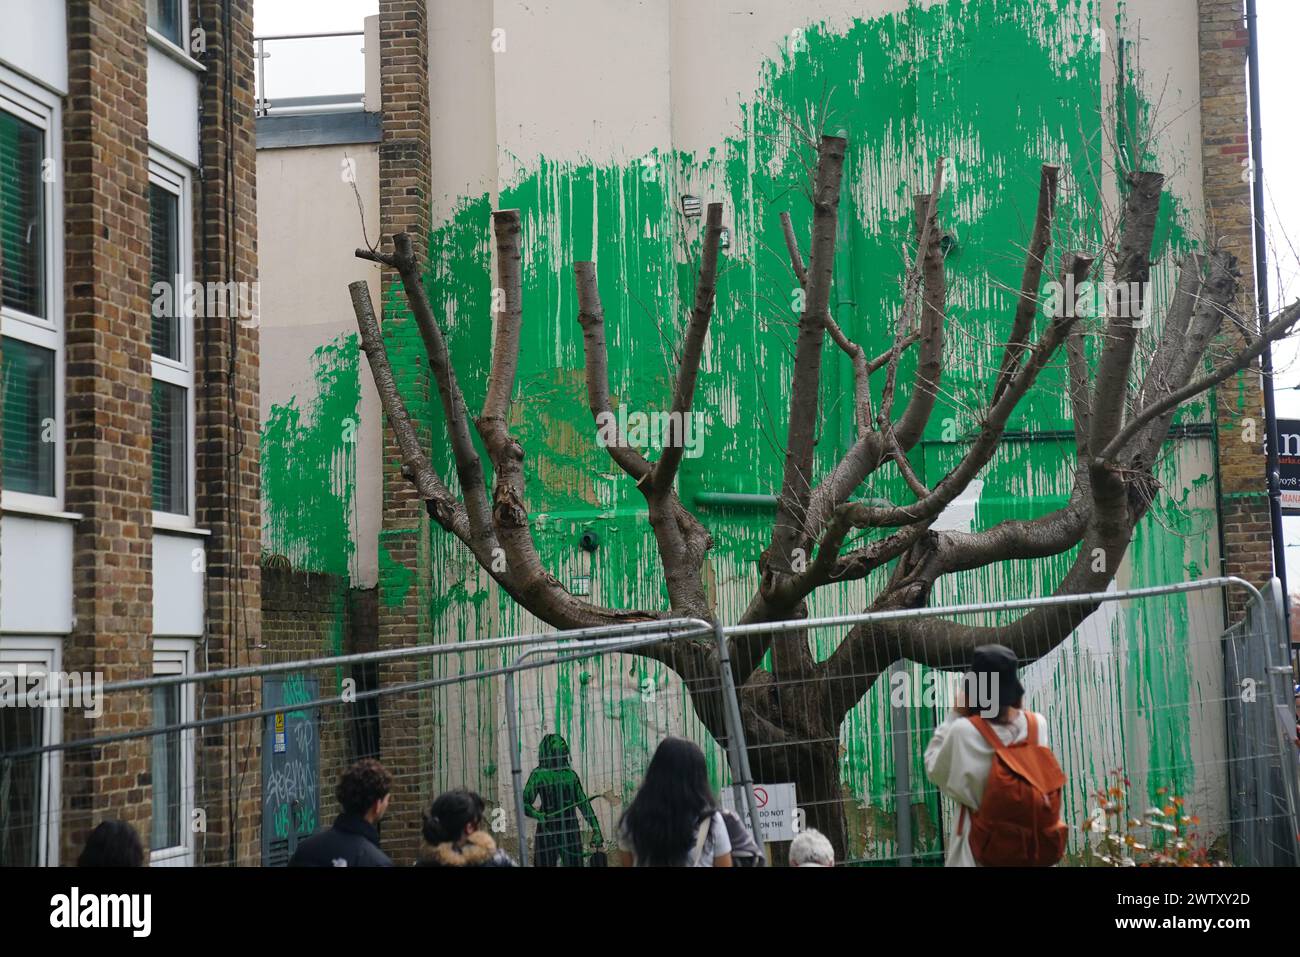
(462, 103)
(611, 80)
(614, 79)
(308, 227)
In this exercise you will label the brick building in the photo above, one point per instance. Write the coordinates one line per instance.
(1244, 510)
(130, 530)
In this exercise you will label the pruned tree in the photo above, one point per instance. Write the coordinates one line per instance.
(793, 706)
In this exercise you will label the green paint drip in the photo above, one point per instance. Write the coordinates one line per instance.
(1000, 88)
(308, 457)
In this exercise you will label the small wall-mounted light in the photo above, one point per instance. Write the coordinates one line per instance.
(691, 206)
(724, 238)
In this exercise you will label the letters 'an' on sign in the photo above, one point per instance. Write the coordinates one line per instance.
(1288, 463)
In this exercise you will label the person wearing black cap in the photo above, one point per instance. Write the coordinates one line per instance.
(958, 758)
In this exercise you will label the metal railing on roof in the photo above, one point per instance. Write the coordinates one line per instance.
(334, 73)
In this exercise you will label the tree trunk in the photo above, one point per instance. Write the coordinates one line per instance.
(789, 739)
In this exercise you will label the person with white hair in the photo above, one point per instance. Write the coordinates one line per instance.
(811, 849)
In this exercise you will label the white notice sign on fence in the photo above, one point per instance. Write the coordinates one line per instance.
(776, 810)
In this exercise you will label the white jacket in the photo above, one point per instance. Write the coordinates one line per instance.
(958, 760)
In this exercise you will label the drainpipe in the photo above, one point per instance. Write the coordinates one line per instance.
(735, 499)
(763, 500)
(1261, 295)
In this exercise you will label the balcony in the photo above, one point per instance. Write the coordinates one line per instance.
(301, 73)
(318, 89)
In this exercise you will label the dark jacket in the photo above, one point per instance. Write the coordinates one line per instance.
(477, 850)
(351, 842)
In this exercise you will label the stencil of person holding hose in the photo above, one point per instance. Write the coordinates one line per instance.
(559, 836)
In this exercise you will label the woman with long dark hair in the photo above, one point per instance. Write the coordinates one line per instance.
(674, 819)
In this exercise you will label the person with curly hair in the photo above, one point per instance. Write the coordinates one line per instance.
(353, 840)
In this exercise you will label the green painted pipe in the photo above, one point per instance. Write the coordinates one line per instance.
(735, 498)
(755, 500)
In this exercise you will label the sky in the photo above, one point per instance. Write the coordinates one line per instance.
(298, 68)
(310, 16)
(317, 66)
(1279, 30)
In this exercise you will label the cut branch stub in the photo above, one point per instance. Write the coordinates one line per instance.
(1132, 271)
(934, 303)
(505, 350)
(688, 369)
(789, 530)
(928, 234)
(1031, 277)
(439, 501)
(591, 317)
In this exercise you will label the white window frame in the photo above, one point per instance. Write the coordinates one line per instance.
(43, 654)
(167, 43)
(175, 656)
(41, 108)
(176, 178)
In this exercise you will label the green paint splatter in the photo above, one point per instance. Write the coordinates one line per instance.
(999, 88)
(395, 578)
(309, 465)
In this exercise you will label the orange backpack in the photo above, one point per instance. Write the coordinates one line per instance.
(1019, 820)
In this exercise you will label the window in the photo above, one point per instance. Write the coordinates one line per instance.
(29, 785)
(164, 216)
(172, 334)
(169, 447)
(172, 762)
(20, 787)
(22, 214)
(167, 794)
(27, 391)
(165, 19)
(31, 306)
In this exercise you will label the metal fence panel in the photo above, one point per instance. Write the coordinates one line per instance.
(1260, 734)
(1136, 706)
(1144, 697)
(553, 793)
